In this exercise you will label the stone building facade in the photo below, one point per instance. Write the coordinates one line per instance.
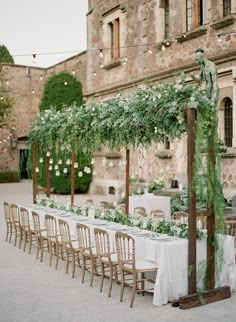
(130, 42)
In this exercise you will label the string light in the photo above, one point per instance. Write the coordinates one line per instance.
(41, 77)
(73, 72)
(149, 51)
(34, 59)
(163, 47)
(65, 83)
(101, 65)
(100, 53)
(94, 74)
(33, 91)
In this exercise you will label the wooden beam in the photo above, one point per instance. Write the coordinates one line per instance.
(34, 175)
(195, 300)
(72, 190)
(127, 181)
(192, 229)
(47, 177)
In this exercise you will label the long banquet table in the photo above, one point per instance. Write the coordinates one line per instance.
(169, 253)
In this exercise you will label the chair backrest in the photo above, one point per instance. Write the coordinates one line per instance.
(88, 202)
(103, 204)
(125, 248)
(201, 222)
(7, 212)
(36, 221)
(24, 218)
(64, 232)
(15, 214)
(157, 213)
(102, 242)
(178, 215)
(84, 236)
(121, 207)
(51, 226)
(140, 211)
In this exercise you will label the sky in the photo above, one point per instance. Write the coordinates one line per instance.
(45, 27)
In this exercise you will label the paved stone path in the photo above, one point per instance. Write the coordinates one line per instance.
(33, 291)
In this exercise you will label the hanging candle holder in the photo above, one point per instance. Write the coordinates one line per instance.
(41, 160)
(60, 161)
(50, 161)
(36, 169)
(57, 173)
(80, 174)
(76, 165)
(65, 170)
(56, 167)
(50, 168)
(48, 154)
(68, 161)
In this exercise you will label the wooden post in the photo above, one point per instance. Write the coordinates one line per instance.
(192, 234)
(47, 177)
(127, 182)
(211, 224)
(34, 176)
(72, 179)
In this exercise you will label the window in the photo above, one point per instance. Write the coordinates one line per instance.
(226, 7)
(189, 14)
(115, 38)
(167, 19)
(228, 121)
(194, 14)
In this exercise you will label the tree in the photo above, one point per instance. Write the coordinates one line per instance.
(5, 56)
(61, 90)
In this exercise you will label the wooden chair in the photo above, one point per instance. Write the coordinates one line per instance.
(54, 239)
(180, 215)
(70, 246)
(27, 231)
(140, 211)
(125, 247)
(87, 250)
(230, 225)
(15, 215)
(107, 258)
(157, 213)
(40, 234)
(8, 221)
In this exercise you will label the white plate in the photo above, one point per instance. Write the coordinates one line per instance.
(161, 238)
(139, 234)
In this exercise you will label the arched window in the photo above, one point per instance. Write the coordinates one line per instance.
(167, 19)
(228, 121)
(226, 7)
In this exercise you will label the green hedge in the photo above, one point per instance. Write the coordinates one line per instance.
(9, 176)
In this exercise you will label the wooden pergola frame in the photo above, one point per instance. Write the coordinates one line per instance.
(192, 299)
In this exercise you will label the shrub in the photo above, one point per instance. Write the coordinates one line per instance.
(9, 176)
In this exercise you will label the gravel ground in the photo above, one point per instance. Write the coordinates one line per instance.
(33, 291)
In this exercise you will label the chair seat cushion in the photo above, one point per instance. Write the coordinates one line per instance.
(87, 253)
(142, 265)
(113, 258)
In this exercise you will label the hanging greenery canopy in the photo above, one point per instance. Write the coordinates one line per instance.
(146, 115)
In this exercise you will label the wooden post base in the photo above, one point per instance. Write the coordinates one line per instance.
(210, 296)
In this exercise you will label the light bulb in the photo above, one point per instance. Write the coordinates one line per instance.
(34, 59)
(101, 53)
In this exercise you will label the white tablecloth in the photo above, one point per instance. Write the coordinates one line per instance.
(171, 256)
(150, 202)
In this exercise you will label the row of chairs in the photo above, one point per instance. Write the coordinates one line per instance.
(56, 237)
